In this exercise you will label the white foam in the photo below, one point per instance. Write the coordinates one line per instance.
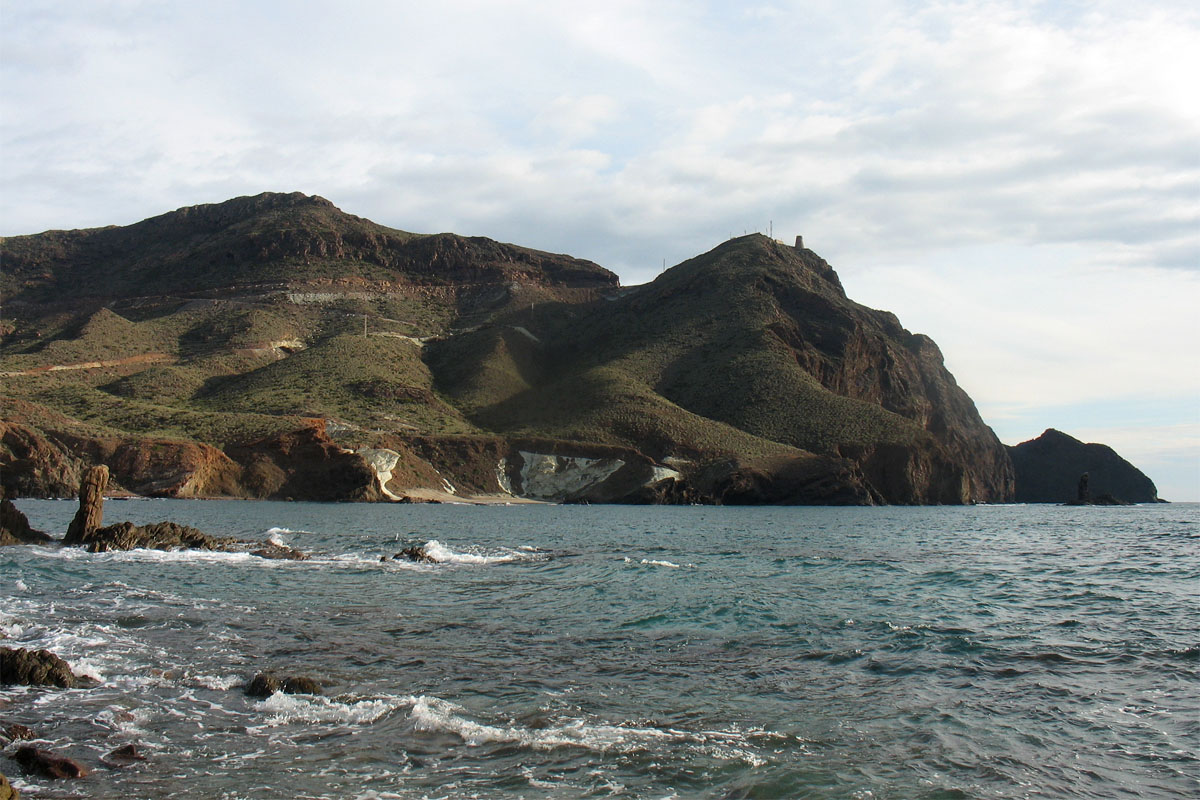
(287, 709)
(438, 552)
(432, 714)
(275, 539)
(650, 562)
(20, 585)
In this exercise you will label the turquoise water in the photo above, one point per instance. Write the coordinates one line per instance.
(642, 652)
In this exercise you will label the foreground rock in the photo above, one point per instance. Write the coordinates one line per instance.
(7, 792)
(1049, 469)
(15, 528)
(265, 684)
(37, 668)
(48, 764)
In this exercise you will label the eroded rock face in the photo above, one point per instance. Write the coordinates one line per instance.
(90, 515)
(35, 668)
(305, 464)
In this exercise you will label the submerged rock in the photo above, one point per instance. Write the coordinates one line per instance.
(124, 756)
(265, 684)
(37, 668)
(279, 551)
(48, 764)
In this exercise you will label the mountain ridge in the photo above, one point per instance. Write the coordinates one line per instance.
(744, 374)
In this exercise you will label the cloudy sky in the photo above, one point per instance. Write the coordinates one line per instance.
(1020, 180)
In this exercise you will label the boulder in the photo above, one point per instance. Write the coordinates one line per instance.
(48, 764)
(265, 684)
(36, 668)
(90, 515)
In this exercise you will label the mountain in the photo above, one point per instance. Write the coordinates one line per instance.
(1049, 469)
(257, 346)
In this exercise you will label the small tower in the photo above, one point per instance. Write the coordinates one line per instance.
(799, 242)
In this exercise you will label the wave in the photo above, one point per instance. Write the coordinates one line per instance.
(435, 715)
(441, 554)
(290, 709)
(655, 562)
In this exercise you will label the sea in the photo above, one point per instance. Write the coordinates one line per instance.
(1018, 651)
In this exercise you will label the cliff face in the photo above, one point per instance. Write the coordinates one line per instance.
(1048, 470)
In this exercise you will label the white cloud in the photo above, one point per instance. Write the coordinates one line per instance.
(1019, 179)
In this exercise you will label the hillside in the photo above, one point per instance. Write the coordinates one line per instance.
(277, 330)
(1049, 469)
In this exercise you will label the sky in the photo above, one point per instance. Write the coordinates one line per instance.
(1019, 180)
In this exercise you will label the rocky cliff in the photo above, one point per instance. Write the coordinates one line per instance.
(1049, 468)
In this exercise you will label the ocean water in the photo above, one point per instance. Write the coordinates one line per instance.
(635, 652)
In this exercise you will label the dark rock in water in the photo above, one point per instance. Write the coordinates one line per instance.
(90, 515)
(280, 551)
(265, 684)
(416, 553)
(36, 668)
(1050, 469)
(7, 792)
(156, 536)
(16, 732)
(47, 764)
(124, 756)
(14, 526)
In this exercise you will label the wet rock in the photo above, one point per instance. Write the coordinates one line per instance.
(90, 515)
(280, 551)
(48, 764)
(416, 553)
(265, 684)
(124, 756)
(156, 536)
(36, 668)
(14, 526)
(16, 732)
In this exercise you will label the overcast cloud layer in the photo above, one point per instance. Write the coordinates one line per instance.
(1019, 180)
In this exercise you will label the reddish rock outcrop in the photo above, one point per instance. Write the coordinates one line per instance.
(304, 464)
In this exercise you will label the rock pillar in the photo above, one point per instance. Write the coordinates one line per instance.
(90, 515)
